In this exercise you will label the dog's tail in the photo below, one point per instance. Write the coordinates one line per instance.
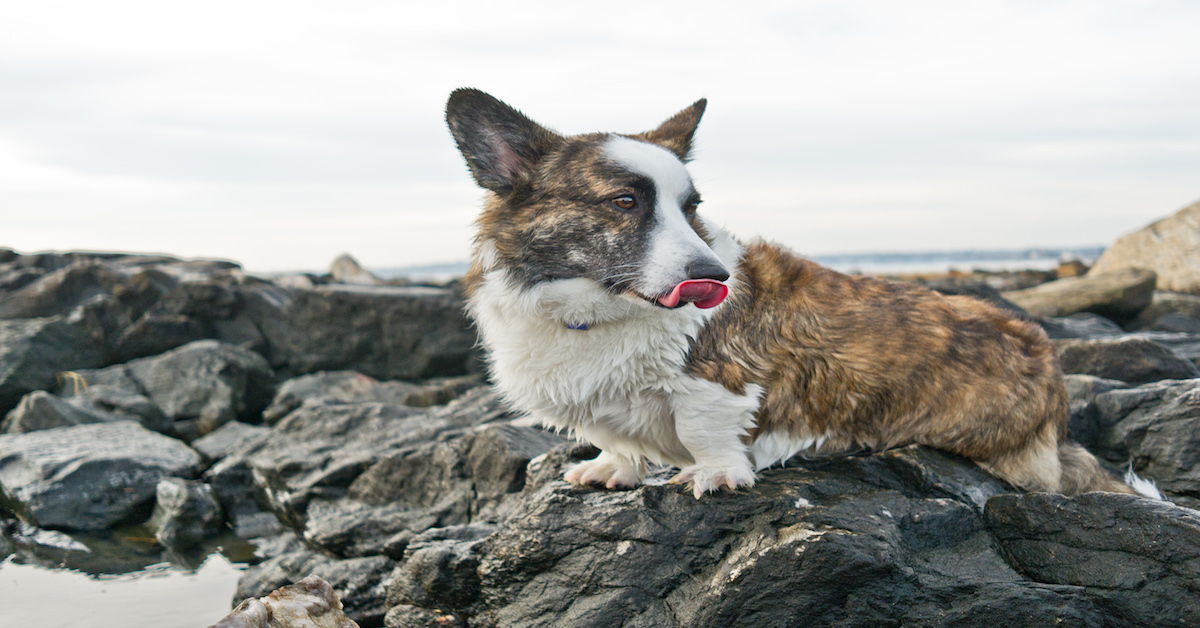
(1082, 473)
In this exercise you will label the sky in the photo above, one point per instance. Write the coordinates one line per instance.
(282, 134)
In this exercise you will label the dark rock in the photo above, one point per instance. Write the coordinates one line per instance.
(310, 603)
(185, 513)
(229, 438)
(1133, 360)
(406, 616)
(1119, 295)
(88, 477)
(153, 334)
(121, 403)
(980, 291)
(390, 333)
(470, 478)
(1082, 391)
(891, 539)
(1181, 308)
(335, 387)
(60, 291)
(1114, 546)
(33, 351)
(199, 387)
(1082, 325)
(246, 509)
(1156, 427)
(359, 582)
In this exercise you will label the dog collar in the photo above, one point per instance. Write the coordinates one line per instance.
(578, 326)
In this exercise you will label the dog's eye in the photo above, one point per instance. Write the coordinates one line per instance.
(624, 203)
(690, 208)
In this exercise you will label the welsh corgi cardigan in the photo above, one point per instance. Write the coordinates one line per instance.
(610, 308)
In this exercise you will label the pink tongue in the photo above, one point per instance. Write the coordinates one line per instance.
(705, 293)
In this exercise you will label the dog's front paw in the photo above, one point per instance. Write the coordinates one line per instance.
(607, 470)
(704, 478)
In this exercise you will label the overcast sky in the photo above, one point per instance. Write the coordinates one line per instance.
(280, 134)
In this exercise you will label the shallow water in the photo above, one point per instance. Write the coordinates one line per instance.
(161, 595)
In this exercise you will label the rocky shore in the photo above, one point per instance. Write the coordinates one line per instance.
(337, 426)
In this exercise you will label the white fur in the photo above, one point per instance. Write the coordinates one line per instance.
(774, 447)
(673, 242)
(1143, 487)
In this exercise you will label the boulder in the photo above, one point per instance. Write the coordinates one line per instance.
(1082, 390)
(185, 513)
(1170, 247)
(359, 582)
(199, 387)
(1130, 359)
(335, 387)
(1081, 325)
(1114, 546)
(41, 410)
(310, 603)
(1170, 312)
(34, 351)
(89, 477)
(1119, 295)
(228, 439)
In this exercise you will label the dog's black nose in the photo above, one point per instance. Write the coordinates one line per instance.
(704, 269)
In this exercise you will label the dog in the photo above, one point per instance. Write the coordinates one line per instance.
(611, 309)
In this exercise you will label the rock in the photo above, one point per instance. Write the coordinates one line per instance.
(406, 616)
(229, 438)
(1156, 428)
(1132, 360)
(185, 513)
(346, 269)
(42, 411)
(1171, 312)
(1112, 545)
(1119, 295)
(89, 477)
(1170, 247)
(891, 539)
(335, 387)
(321, 450)
(389, 333)
(472, 478)
(61, 291)
(33, 351)
(1082, 391)
(247, 510)
(1081, 325)
(359, 582)
(1071, 268)
(199, 387)
(153, 334)
(310, 603)
(981, 291)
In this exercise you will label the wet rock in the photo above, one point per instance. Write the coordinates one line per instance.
(1156, 428)
(1119, 295)
(346, 269)
(335, 387)
(359, 582)
(33, 351)
(1110, 544)
(1082, 391)
(1082, 325)
(247, 510)
(185, 513)
(42, 411)
(89, 477)
(1170, 247)
(408, 616)
(1129, 359)
(310, 603)
(390, 333)
(440, 569)
(153, 334)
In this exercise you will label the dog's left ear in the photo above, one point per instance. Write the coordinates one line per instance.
(676, 133)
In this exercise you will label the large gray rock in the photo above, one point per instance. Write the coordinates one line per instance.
(89, 477)
(199, 387)
(1128, 359)
(229, 438)
(1170, 312)
(1119, 295)
(359, 582)
(389, 333)
(1137, 560)
(33, 351)
(1170, 247)
(335, 387)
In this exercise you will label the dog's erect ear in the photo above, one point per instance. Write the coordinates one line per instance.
(676, 133)
(501, 145)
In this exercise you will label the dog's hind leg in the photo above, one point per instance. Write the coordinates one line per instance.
(712, 422)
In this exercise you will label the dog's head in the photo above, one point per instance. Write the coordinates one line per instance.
(615, 211)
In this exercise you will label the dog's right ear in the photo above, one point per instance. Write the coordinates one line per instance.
(502, 146)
